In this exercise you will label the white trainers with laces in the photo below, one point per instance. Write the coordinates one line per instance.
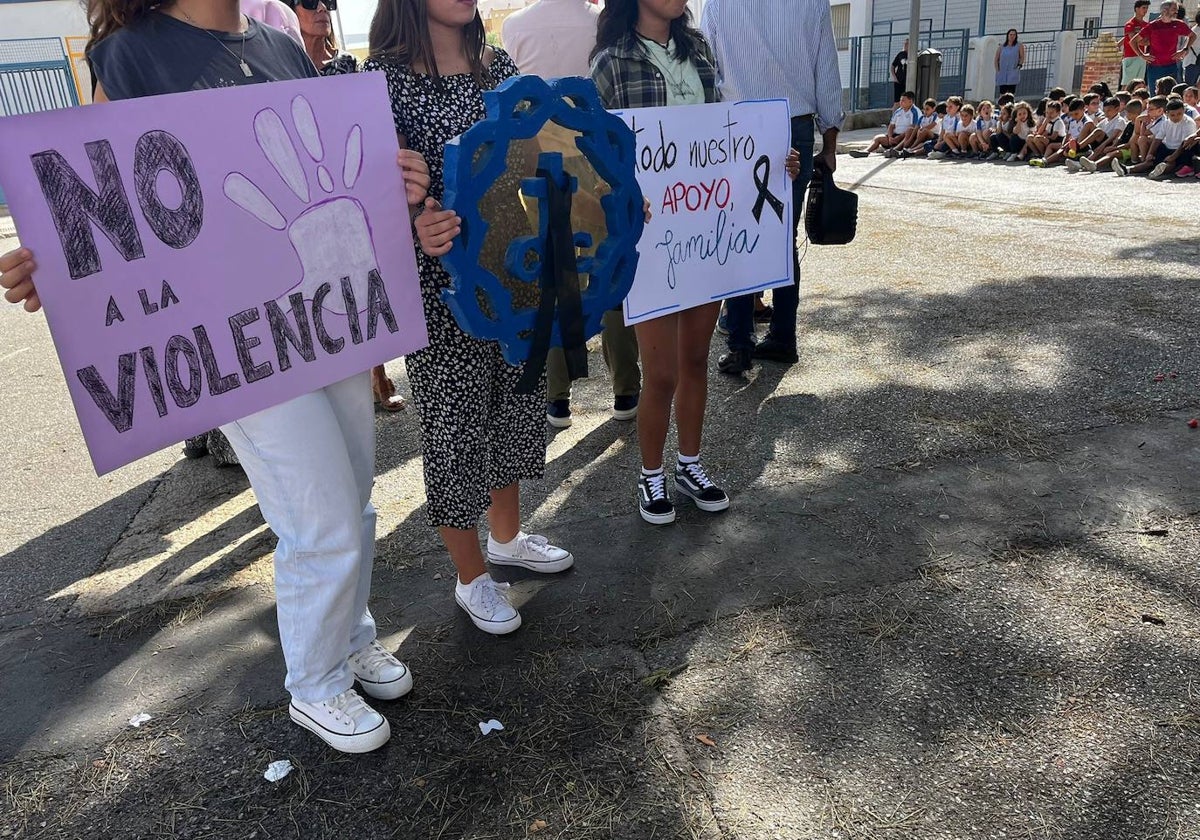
(486, 601)
(530, 551)
(1158, 171)
(345, 722)
(380, 674)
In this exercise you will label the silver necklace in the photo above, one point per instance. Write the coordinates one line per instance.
(241, 59)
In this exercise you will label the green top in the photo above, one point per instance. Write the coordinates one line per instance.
(683, 79)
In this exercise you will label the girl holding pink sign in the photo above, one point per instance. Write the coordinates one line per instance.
(310, 460)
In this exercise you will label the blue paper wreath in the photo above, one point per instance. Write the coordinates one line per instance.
(517, 110)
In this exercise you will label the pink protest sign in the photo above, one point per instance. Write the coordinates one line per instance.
(206, 255)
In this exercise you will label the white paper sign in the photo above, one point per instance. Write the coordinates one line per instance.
(721, 203)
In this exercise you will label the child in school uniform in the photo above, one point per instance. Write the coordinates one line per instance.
(1104, 136)
(1121, 150)
(950, 126)
(900, 130)
(926, 131)
(985, 124)
(1077, 124)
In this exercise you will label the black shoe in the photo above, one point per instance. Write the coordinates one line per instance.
(558, 413)
(735, 362)
(692, 481)
(653, 502)
(763, 316)
(776, 351)
(625, 407)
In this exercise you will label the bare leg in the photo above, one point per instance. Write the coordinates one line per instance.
(465, 552)
(694, 336)
(504, 516)
(660, 374)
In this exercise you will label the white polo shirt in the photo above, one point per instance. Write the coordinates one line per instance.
(1172, 134)
(552, 38)
(904, 118)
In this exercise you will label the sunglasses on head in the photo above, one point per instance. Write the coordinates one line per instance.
(311, 5)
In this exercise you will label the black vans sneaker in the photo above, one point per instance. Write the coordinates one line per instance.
(653, 502)
(691, 480)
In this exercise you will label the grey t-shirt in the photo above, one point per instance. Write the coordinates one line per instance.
(159, 54)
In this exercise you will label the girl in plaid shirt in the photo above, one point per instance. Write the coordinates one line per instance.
(648, 55)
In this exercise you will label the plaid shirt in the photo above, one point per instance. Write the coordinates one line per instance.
(627, 78)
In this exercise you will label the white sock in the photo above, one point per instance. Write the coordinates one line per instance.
(684, 460)
(651, 473)
(510, 544)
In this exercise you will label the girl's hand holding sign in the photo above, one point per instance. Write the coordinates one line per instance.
(16, 276)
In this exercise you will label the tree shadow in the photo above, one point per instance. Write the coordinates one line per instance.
(899, 504)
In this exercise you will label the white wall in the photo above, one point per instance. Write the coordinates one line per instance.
(48, 19)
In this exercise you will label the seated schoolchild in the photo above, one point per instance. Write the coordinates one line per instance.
(1077, 125)
(1122, 149)
(1048, 137)
(1143, 138)
(951, 125)
(1107, 135)
(985, 123)
(901, 130)
(966, 127)
(1174, 145)
(927, 130)
(1012, 140)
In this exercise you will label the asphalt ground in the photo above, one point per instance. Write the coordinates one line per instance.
(956, 595)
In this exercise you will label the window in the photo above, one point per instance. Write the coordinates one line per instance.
(1091, 27)
(841, 25)
(1068, 21)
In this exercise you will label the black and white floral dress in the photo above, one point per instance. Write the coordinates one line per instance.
(477, 433)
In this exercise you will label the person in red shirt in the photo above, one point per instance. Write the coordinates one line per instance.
(1159, 43)
(1133, 66)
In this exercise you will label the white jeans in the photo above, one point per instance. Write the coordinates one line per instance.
(311, 463)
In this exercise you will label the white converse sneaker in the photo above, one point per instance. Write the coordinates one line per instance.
(344, 722)
(486, 601)
(380, 674)
(530, 551)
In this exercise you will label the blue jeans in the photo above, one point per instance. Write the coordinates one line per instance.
(785, 299)
(1154, 72)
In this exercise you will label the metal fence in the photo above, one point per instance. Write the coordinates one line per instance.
(1040, 49)
(35, 75)
(871, 64)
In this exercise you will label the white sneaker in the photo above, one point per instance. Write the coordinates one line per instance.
(936, 155)
(530, 551)
(1088, 164)
(1118, 168)
(1158, 171)
(380, 674)
(487, 603)
(345, 722)
(1073, 165)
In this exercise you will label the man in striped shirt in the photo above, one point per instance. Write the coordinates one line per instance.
(772, 49)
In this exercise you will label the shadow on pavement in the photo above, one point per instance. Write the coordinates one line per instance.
(931, 589)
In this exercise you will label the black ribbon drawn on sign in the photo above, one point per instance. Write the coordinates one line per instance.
(560, 291)
(762, 182)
